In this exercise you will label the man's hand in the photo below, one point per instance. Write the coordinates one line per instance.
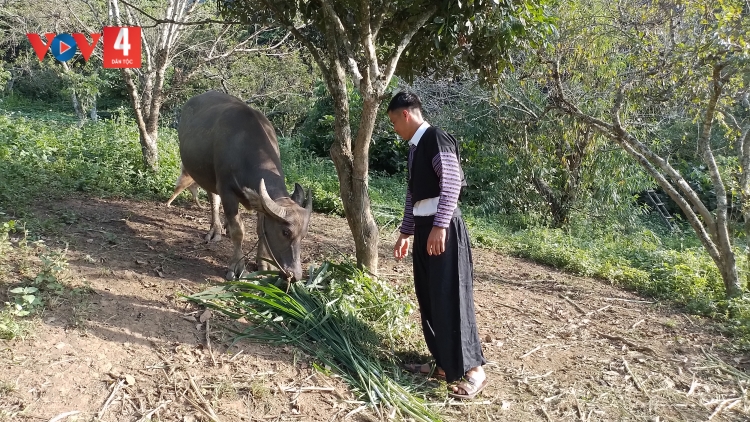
(401, 248)
(436, 241)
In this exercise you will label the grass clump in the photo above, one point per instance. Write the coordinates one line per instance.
(338, 318)
(674, 268)
(33, 279)
(51, 157)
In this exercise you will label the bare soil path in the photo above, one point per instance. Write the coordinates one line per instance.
(560, 347)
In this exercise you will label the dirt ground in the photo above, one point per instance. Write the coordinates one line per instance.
(126, 348)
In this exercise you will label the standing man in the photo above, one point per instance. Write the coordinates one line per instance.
(443, 268)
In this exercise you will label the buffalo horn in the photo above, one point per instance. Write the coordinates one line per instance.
(272, 208)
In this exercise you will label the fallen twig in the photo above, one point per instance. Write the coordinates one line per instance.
(209, 410)
(637, 323)
(533, 377)
(355, 411)
(580, 411)
(725, 367)
(512, 307)
(208, 340)
(693, 386)
(302, 389)
(598, 310)
(530, 352)
(235, 355)
(110, 398)
(629, 300)
(460, 403)
(148, 415)
(201, 410)
(536, 349)
(630, 343)
(724, 405)
(636, 381)
(575, 305)
(64, 415)
(546, 415)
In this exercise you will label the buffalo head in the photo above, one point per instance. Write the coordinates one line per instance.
(282, 224)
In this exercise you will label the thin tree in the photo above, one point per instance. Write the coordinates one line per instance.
(666, 61)
(173, 38)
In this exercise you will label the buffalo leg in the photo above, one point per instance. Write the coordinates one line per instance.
(185, 181)
(194, 190)
(214, 234)
(236, 232)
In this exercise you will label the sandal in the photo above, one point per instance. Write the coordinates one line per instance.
(417, 368)
(470, 386)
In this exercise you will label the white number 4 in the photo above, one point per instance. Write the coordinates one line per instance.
(121, 43)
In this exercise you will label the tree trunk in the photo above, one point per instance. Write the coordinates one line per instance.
(147, 138)
(352, 169)
(80, 113)
(149, 150)
(727, 263)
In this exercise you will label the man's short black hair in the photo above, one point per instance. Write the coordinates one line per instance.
(404, 99)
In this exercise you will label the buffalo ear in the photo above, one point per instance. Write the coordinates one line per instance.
(261, 202)
(308, 202)
(299, 195)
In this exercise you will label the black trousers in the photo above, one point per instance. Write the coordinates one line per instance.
(444, 285)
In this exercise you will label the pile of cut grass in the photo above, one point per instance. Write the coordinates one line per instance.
(341, 332)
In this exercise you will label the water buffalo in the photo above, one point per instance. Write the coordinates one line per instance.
(185, 181)
(231, 151)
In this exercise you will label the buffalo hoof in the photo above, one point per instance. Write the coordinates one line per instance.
(213, 235)
(231, 275)
(237, 270)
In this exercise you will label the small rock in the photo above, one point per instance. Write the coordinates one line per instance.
(59, 345)
(505, 405)
(129, 379)
(488, 339)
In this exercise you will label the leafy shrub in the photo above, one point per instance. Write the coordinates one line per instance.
(674, 268)
(52, 156)
(387, 154)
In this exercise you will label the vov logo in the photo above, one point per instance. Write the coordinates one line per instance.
(122, 46)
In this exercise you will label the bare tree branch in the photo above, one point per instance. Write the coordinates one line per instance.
(161, 21)
(386, 76)
(316, 52)
(368, 45)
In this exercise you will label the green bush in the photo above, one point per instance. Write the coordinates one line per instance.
(50, 156)
(674, 268)
(388, 153)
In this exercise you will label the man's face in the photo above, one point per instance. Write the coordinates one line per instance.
(400, 119)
